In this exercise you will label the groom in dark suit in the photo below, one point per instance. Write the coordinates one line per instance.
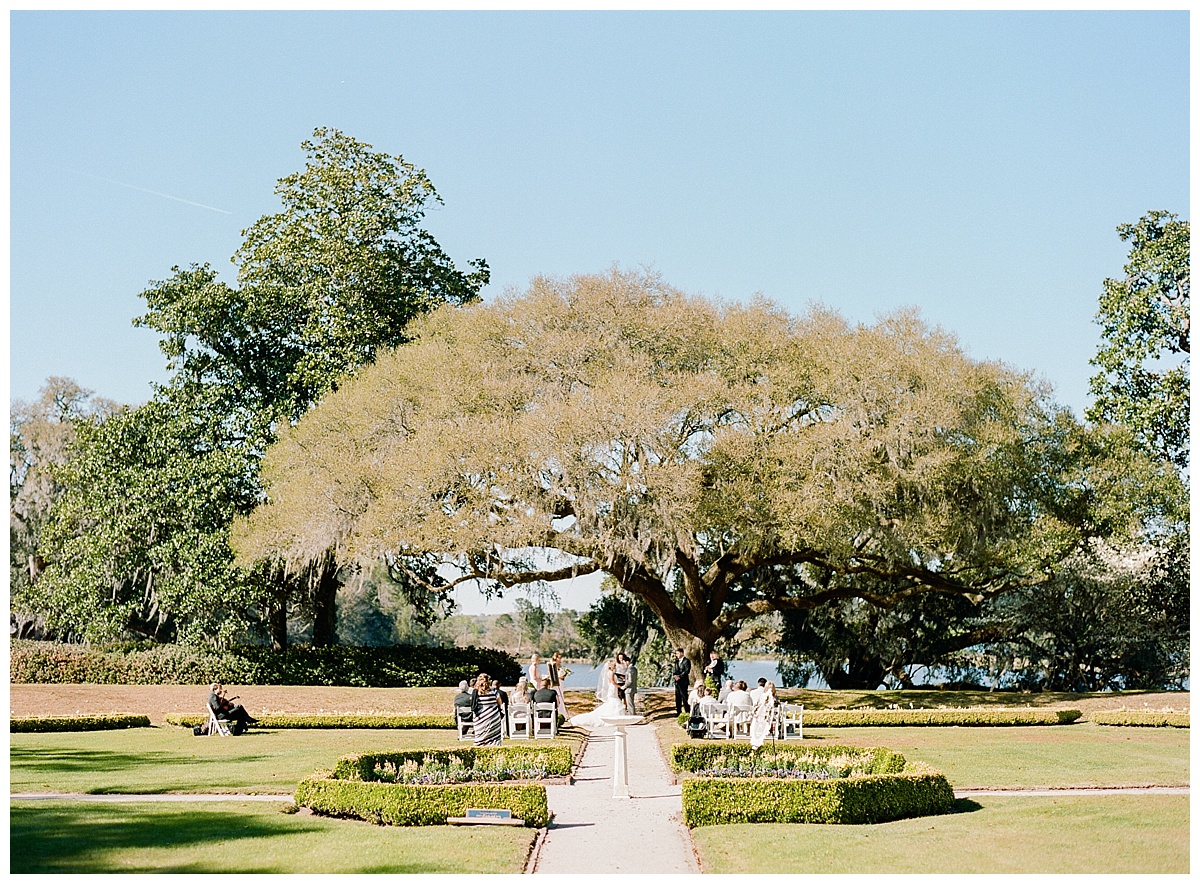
(683, 668)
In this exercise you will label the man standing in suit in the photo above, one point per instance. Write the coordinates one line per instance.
(631, 686)
(683, 669)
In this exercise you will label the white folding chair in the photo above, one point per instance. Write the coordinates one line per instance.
(791, 719)
(462, 720)
(520, 721)
(739, 720)
(545, 720)
(216, 726)
(716, 719)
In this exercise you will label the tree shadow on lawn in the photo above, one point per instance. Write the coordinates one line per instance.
(90, 761)
(88, 838)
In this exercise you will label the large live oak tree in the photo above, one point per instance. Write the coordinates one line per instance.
(692, 450)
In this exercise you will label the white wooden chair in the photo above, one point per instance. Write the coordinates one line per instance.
(545, 720)
(739, 720)
(462, 721)
(215, 725)
(791, 721)
(716, 719)
(520, 721)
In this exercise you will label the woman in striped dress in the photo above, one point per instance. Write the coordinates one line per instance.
(486, 721)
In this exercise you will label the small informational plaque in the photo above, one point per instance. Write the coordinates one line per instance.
(486, 816)
(487, 813)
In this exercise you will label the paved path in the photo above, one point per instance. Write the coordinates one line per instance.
(595, 833)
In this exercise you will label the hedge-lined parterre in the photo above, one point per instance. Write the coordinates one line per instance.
(731, 755)
(501, 761)
(33, 662)
(285, 720)
(412, 805)
(56, 723)
(1142, 719)
(915, 791)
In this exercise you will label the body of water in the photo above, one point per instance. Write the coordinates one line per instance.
(585, 676)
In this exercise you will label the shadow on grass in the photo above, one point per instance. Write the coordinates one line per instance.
(88, 838)
(965, 805)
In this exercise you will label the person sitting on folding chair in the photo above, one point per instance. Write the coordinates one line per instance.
(225, 710)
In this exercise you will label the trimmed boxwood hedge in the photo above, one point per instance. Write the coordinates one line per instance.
(284, 720)
(40, 724)
(690, 757)
(402, 805)
(558, 759)
(937, 717)
(916, 791)
(33, 662)
(1142, 719)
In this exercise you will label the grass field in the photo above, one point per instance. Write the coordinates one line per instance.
(169, 759)
(74, 836)
(1076, 755)
(1116, 834)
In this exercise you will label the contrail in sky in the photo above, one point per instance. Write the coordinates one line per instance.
(154, 193)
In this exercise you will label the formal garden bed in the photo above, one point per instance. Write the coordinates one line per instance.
(44, 724)
(430, 787)
(980, 717)
(728, 783)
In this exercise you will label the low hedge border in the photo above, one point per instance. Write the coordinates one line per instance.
(931, 717)
(327, 720)
(405, 805)
(40, 724)
(689, 757)
(938, 717)
(916, 791)
(1142, 719)
(361, 766)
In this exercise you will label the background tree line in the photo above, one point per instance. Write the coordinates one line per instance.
(347, 419)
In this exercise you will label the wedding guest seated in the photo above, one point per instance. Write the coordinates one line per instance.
(725, 689)
(739, 696)
(521, 693)
(757, 693)
(545, 693)
(227, 710)
(703, 697)
(465, 699)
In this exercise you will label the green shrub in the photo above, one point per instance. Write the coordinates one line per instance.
(916, 791)
(406, 805)
(33, 662)
(1142, 719)
(54, 723)
(283, 720)
(937, 717)
(728, 754)
(373, 766)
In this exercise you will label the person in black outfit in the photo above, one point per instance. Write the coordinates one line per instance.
(683, 669)
(226, 710)
(465, 699)
(715, 668)
(545, 693)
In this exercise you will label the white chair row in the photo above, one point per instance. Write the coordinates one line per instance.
(724, 721)
(525, 721)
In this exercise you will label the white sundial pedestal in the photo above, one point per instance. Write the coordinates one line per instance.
(620, 756)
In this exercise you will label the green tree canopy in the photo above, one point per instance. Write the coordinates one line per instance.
(337, 274)
(1146, 321)
(686, 447)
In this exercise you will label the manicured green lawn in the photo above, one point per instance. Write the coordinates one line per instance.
(170, 759)
(1081, 754)
(1122, 834)
(78, 836)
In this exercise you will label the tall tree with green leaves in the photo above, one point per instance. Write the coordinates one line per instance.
(1146, 321)
(684, 447)
(338, 273)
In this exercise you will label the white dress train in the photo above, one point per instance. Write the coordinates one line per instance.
(609, 706)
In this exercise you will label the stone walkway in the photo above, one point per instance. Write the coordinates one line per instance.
(592, 832)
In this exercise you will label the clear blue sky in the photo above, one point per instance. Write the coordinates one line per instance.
(973, 164)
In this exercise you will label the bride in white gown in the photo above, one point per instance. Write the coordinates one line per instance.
(610, 703)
